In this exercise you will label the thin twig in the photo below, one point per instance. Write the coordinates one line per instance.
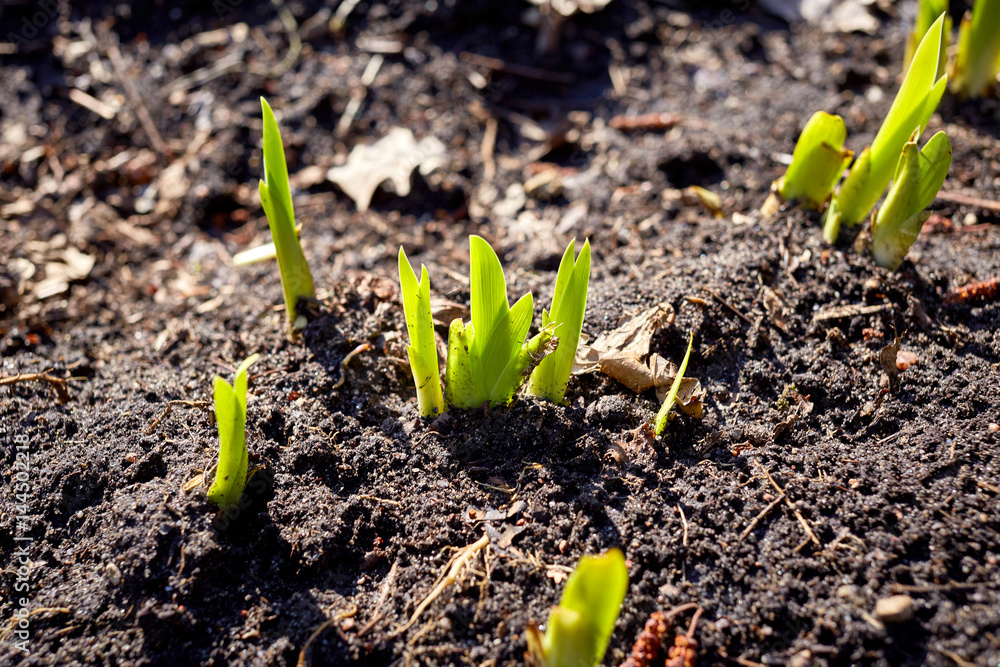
(523, 71)
(343, 364)
(457, 563)
(684, 522)
(763, 513)
(201, 405)
(58, 385)
(968, 200)
(304, 653)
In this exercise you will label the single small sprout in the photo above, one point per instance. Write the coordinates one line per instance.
(978, 60)
(817, 164)
(276, 199)
(664, 414)
(231, 416)
(917, 98)
(422, 349)
(569, 303)
(578, 630)
(927, 13)
(919, 176)
(489, 359)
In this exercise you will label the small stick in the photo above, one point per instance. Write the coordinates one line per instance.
(763, 513)
(655, 122)
(728, 305)
(987, 289)
(487, 149)
(201, 405)
(523, 71)
(684, 522)
(304, 653)
(458, 561)
(968, 200)
(343, 364)
(58, 384)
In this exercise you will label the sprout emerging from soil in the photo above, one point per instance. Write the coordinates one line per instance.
(579, 629)
(919, 176)
(818, 162)
(569, 303)
(422, 349)
(489, 359)
(664, 414)
(231, 415)
(978, 60)
(276, 198)
(917, 98)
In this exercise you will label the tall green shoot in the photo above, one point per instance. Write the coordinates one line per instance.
(978, 59)
(917, 98)
(579, 629)
(489, 359)
(231, 417)
(569, 303)
(664, 414)
(422, 350)
(919, 176)
(276, 199)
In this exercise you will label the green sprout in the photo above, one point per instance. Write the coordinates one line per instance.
(276, 198)
(978, 59)
(489, 359)
(817, 163)
(579, 629)
(917, 98)
(422, 349)
(231, 416)
(664, 414)
(927, 13)
(569, 303)
(918, 178)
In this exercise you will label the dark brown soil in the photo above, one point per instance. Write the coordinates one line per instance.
(360, 504)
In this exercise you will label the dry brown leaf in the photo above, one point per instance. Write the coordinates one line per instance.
(887, 357)
(775, 308)
(630, 339)
(392, 158)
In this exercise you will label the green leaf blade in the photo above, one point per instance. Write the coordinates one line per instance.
(460, 388)
(581, 626)
(916, 100)
(569, 306)
(919, 177)
(664, 414)
(422, 350)
(818, 161)
(276, 200)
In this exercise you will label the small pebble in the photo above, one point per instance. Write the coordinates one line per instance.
(895, 609)
(905, 359)
(993, 427)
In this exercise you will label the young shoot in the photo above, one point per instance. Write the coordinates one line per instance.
(422, 349)
(927, 13)
(276, 199)
(663, 416)
(489, 359)
(978, 59)
(569, 303)
(817, 163)
(231, 416)
(578, 630)
(917, 98)
(918, 178)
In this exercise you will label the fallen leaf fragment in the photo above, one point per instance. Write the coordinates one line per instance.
(775, 308)
(630, 339)
(392, 158)
(74, 265)
(887, 357)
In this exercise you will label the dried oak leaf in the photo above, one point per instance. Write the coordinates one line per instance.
(391, 158)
